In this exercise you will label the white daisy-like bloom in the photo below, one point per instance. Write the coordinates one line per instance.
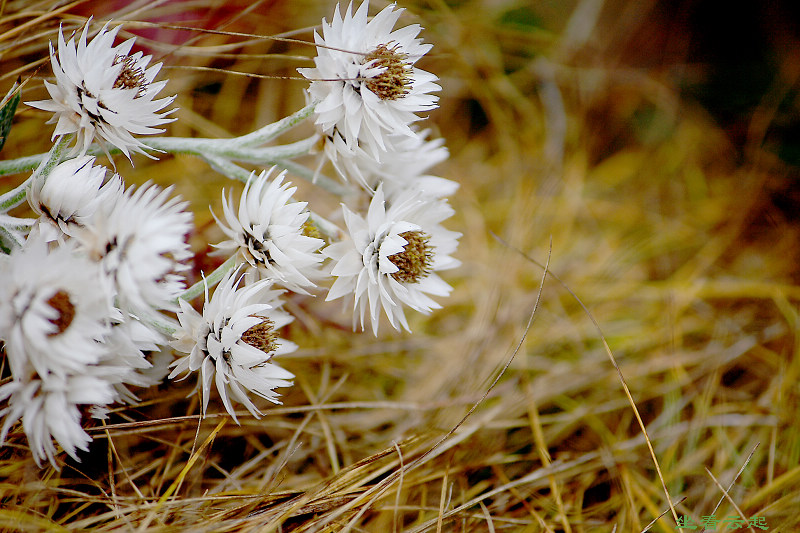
(233, 341)
(140, 242)
(405, 165)
(55, 310)
(71, 194)
(270, 233)
(103, 91)
(49, 410)
(127, 343)
(392, 257)
(364, 82)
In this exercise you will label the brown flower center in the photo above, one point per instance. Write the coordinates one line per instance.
(415, 260)
(262, 336)
(395, 81)
(131, 76)
(66, 312)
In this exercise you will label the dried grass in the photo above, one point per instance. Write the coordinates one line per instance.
(664, 230)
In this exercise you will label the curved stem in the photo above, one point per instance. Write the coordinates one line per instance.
(326, 227)
(271, 131)
(160, 323)
(241, 145)
(43, 163)
(14, 197)
(227, 168)
(9, 240)
(15, 223)
(233, 151)
(212, 279)
(21, 164)
(54, 156)
(330, 185)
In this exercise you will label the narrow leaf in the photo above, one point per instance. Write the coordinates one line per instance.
(10, 103)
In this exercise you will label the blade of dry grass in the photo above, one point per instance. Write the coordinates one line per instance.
(618, 370)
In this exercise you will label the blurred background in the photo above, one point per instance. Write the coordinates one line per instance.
(649, 150)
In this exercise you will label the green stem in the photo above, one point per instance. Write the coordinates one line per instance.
(212, 279)
(235, 172)
(21, 164)
(44, 164)
(13, 198)
(238, 145)
(54, 156)
(271, 131)
(330, 185)
(326, 227)
(9, 240)
(227, 168)
(233, 151)
(158, 322)
(15, 223)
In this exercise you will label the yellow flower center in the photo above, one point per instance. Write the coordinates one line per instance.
(416, 258)
(311, 230)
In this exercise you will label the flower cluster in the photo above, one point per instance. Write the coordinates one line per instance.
(367, 91)
(94, 293)
(366, 86)
(81, 299)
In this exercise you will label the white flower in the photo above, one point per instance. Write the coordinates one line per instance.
(103, 91)
(55, 309)
(392, 257)
(403, 166)
(55, 314)
(127, 343)
(268, 234)
(233, 343)
(49, 410)
(71, 194)
(140, 241)
(364, 82)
